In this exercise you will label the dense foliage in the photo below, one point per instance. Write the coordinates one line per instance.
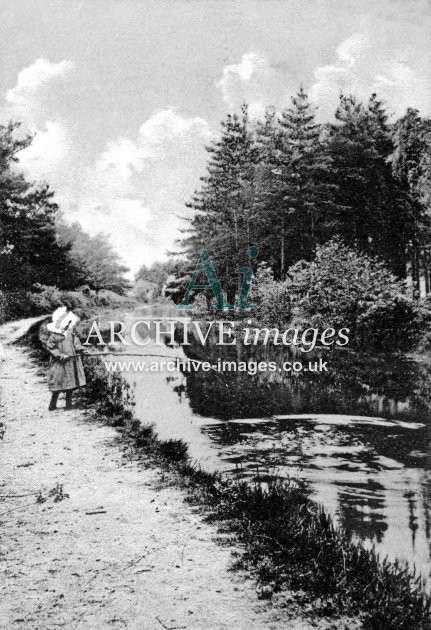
(223, 219)
(342, 288)
(92, 261)
(37, 250)
(150, 282)
(162, 280)
(289, 184)
(29, 251)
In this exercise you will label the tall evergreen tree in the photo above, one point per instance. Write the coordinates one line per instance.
(411, 163)
(296, 194)
(35, 247)
(375, 211)
(29, 252)
(222, 220)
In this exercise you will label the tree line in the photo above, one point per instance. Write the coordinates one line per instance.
(288, 184)
(37, 248)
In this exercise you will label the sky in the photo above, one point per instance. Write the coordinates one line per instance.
(123, 95)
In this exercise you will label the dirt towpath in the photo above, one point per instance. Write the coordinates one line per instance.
(117, 552)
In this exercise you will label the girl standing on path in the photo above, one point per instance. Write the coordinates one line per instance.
(66, 371)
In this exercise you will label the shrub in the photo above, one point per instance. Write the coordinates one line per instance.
(174, 450)
(110, 395)
(272, 298)
(112, 299)
(391, 323)
(17, 304)
(45, 299)
(48, 298)
(422, 331)
(344, 288)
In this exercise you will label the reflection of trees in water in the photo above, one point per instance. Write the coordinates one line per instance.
(410, 497)
(356, 384)
(426, 501)
(354, 458)
(424, 495)
(362, 510)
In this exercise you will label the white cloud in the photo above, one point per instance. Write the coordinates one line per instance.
(256, 82)
(50, 147)
(360, 68)
(122, 155)
(137, 187)
(341, 76)
(240, 72)
(157, 131)
(350, 48)
(157, 136)
(32, 77)
(25, 100)
(124, 222)
(402, 88)
(101, 196)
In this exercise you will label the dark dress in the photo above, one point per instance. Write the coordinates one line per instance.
(64, 374)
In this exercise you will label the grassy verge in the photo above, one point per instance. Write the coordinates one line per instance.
(289, 544)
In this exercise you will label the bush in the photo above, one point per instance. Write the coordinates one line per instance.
(272, 298)
(45, 299)
(174, 450)
(110, 395)
(389, 324)
(422, 330)
(18, 304)
(112, 299)
(344, 288)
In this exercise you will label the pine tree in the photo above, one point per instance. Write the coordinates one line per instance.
(376, 213)
(295, 192)
(267, 218)
(221, 223)
(411, 162)
(29, 252)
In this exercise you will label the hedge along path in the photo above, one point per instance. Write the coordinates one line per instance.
(96, 545)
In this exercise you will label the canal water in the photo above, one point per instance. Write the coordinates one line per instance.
(359, 434)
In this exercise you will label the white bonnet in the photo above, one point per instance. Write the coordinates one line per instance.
(62, 320)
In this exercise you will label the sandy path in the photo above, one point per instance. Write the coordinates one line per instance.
(148, 562)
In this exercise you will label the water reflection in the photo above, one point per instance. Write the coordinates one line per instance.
(360, 433)
(373, 472)
(353, 384)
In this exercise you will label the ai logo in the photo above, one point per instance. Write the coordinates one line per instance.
(205, 264)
